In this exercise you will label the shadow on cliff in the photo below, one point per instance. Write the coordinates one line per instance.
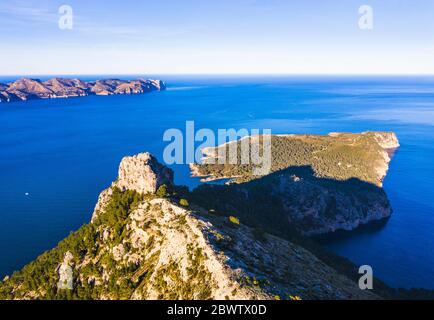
(271, 202)
(364, 229)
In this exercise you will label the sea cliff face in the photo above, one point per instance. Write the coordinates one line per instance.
(143, 245)
(27, 89)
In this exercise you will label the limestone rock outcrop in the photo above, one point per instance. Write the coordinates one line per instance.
(141, 173)
(65, 271)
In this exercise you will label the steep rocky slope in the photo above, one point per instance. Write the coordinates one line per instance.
(143, 244)
(27, 89)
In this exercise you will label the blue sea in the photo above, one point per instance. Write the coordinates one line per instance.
(57, 155)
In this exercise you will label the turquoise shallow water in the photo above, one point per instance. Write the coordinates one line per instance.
(64, 152)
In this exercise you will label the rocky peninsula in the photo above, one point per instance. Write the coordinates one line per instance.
(317, 184)
(28, 89)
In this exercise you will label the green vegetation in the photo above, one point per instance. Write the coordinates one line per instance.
(234, 220)
(341, 158)
(184, 203)
(162, 191)
(254, 283)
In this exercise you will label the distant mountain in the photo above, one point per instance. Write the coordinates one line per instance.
(27, 89)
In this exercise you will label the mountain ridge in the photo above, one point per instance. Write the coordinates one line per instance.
(25, 89)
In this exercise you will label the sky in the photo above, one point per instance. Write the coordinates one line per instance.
(216, 37)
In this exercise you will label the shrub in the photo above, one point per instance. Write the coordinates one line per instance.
(234, 220)
(184, 203)
(162, 191)
(219, 237)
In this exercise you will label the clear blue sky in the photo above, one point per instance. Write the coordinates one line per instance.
(209, 36)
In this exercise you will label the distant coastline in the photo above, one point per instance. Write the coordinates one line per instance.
(30, 89)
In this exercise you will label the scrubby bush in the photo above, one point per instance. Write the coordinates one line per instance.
(234, 220)
(162, 191)
(184, 203)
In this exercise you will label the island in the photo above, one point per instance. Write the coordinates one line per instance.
(28, 89)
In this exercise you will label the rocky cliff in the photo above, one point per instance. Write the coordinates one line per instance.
(142, 245)
(27, 89)
(141, 173)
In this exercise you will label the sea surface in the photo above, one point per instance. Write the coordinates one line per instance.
(57, 155)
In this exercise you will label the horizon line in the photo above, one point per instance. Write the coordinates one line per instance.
(225, 74)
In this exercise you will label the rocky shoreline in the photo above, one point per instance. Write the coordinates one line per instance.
(30, 89)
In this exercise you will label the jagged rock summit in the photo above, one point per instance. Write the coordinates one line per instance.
(27, 89)
(141, 173)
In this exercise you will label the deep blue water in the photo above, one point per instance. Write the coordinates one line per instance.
(64, 152)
